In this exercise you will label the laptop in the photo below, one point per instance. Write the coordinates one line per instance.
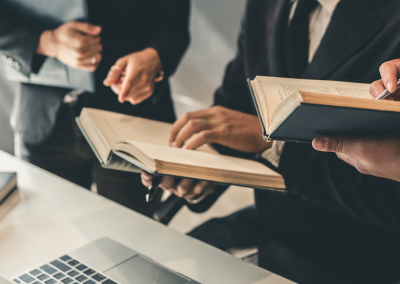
(103, 261)
(4, 280)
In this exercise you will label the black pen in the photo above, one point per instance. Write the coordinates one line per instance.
(153, 188)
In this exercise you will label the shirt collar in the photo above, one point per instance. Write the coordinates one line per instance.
(328, 5)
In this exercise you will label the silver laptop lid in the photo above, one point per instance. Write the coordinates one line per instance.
(103, 261)
(125, 265)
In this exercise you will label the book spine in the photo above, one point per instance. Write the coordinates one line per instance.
(78, 122)
(265, 135)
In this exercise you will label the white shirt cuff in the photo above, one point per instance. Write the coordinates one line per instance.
(273, 154)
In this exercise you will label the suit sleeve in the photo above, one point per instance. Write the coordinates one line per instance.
(323, 180)
(230, 95)
(170, 36)
(18, 41)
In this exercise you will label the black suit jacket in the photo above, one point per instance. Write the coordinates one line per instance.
(127, 26)
(336, 225)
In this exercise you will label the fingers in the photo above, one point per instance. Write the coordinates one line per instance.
(116, 88)
(185, 188)
(198, 189)
(328, 144)
(193, 126)
(320, 144)
(180, 122)
(170, 184)
(136, 85)
(390, 72)
(167, 182)
(204, 137)
(137, 98)
(114, 75)
(140, 90)
(146, 179)
(344, 147)
(129, 81)
(140, 70)
(85, 28)
(88, 61)
(85, 48)
(180, 187)
(376, 88)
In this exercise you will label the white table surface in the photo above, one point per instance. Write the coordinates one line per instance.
(55, 216)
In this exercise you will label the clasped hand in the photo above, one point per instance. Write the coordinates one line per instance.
(75, 44)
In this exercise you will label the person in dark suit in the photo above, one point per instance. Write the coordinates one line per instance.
(372, 155)
(151, 35)
(335, 225)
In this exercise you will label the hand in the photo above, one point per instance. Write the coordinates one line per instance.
(230, 128)
(193, 191)
(134, 76)
(390, 72)
(378, 156)
(75, 44)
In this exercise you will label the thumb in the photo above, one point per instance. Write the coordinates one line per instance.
(86, 28)
(328, 144)
(114, 75)
(146, 176)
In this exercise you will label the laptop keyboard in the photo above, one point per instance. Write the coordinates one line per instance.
(64, 270)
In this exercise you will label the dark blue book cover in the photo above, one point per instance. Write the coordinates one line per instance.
(8, 183)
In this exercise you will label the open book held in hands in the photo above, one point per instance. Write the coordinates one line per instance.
(128, 143)
(299, 110)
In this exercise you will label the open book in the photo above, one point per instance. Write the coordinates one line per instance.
(129, 143)
(299, 110)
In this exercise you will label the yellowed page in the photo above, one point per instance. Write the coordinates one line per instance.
(115, 127)
(276, 89)
(262, 102)
(201, 159)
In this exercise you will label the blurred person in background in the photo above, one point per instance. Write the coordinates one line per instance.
(143, 39)
(335, 225)
(373, 155)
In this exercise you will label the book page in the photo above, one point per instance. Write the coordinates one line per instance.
(201, 159)
(276, 89)
(115, 127)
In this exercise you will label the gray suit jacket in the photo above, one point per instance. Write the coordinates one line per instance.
(19, 39)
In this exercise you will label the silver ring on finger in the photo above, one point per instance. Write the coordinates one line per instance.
(93, 61)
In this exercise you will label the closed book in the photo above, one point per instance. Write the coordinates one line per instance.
(298, 110)
(9, 194)
(129, 143)
(8, 184)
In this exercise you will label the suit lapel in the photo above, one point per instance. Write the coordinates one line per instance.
(352, 26)
(276, 19)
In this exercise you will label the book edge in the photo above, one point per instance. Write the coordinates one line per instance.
(161, 165)
(253, 96)
(349, 102)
